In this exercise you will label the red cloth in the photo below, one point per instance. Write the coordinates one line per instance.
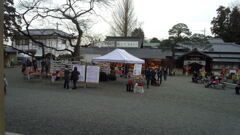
(30, 72)
(54, 74)
(140, 84)
(130, 82)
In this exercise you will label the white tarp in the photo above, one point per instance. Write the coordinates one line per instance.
(120, 56)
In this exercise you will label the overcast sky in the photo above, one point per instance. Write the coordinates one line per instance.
(158, 16)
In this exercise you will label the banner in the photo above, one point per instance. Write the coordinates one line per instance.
(92, 74)
(137, 69)
(200, 62)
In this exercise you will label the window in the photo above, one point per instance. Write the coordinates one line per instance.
(36, 44)
(22, 42)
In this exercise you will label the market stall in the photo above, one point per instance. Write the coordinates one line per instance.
(122, 56)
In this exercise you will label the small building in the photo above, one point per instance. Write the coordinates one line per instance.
(125, 42)
(151, 45)
(52, 38)
(221, 55)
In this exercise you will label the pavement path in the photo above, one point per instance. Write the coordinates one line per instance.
(177, 107)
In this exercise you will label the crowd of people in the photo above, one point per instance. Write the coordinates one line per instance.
(155, 76)
(35, 65)
(211, 79)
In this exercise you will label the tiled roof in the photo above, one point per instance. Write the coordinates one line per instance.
(217, 45)
(226, 47)
(226, 60)
(145, 53)
(123, 39)
(216, 41)
(9, 49)
(151, 44)
(224, 55)
(47, 32)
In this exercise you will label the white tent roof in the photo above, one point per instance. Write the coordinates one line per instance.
(23, 55)
(120, 56)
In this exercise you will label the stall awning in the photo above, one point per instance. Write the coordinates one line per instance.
(119, 56)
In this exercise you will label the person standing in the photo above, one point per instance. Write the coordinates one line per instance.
(43, 63)
(159, 74)
(5, 84)
(66, 77)
(148, 77)
(47, 65)
(24, 67)
(153, 79)
(237, 89)
(34, 62)
(165, 74)
(75, 76)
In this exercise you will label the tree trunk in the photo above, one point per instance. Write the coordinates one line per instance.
(76, 51)
(43, 52)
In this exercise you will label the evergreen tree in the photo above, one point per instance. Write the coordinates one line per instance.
(138, 32)
(10, 17)
(227, 24)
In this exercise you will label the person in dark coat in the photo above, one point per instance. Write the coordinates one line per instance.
(28, 63)
(34, 62)
(66, 77)
(165, 74)
(237, 89)
(159, 74)
(148, 76)
(75, 76)
(24, 67)
(153, 79)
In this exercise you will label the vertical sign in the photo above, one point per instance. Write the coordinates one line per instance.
(92, 74)
(137, 69)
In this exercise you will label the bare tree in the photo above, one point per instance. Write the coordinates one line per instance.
(124, 20)
(73, 12)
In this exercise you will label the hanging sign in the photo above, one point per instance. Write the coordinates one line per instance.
(188, 62)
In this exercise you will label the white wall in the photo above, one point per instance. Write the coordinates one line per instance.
(88, 57)
(55, 43)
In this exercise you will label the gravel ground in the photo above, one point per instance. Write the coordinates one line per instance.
(178, 107)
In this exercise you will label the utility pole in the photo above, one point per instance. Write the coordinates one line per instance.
(57, 25)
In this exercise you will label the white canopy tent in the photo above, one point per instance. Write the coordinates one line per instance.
(23, 55)
(119, 56)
